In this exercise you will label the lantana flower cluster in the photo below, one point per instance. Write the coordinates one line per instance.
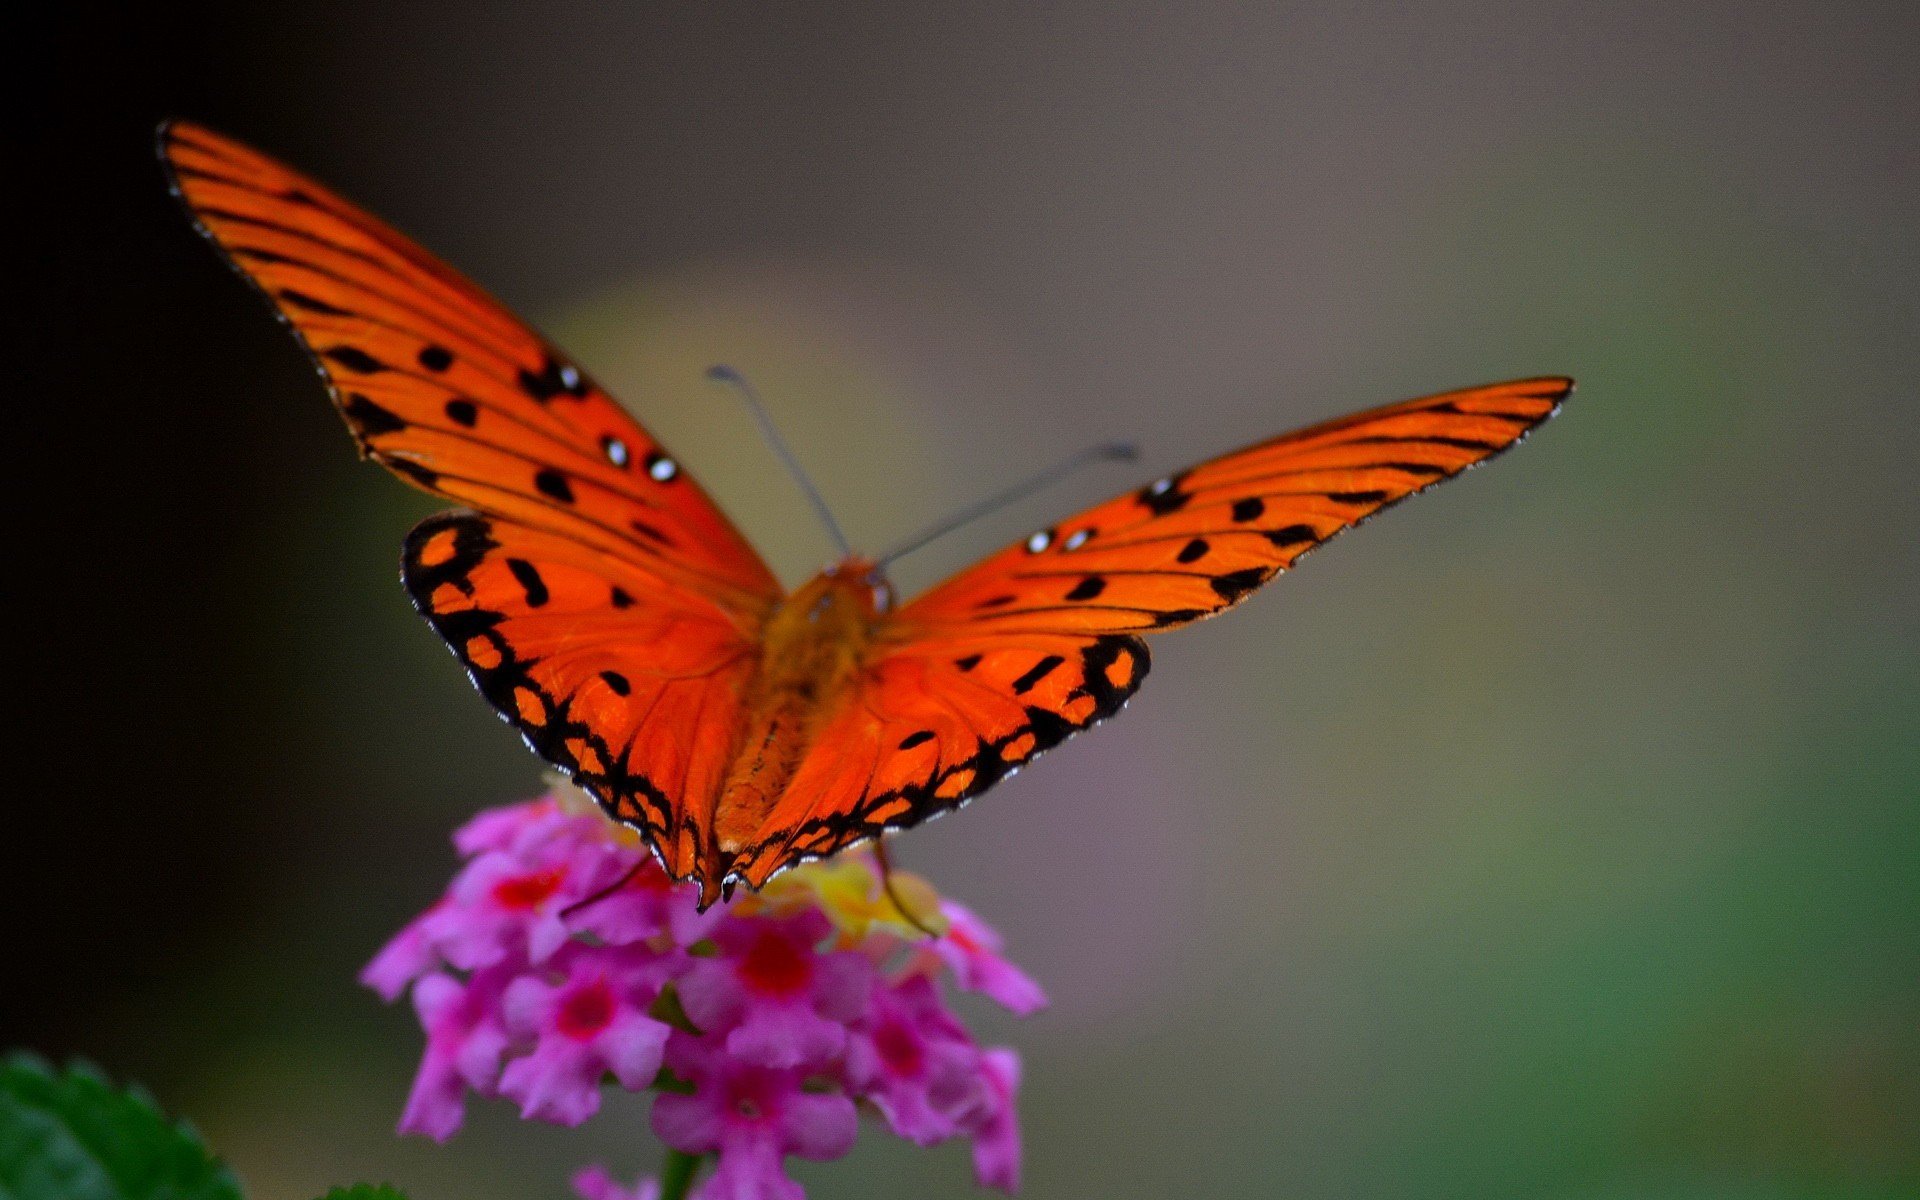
(762, 1025)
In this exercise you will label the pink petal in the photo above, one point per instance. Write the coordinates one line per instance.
(786, 1036)
(632, 1047)
(819, 1126)
(558, 1082)
(996, 1139)
(434, 1103)
(752, 1173)
(407, 957)
(595, 1183)
(689, 1123)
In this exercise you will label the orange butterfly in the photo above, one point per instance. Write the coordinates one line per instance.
(615, 616)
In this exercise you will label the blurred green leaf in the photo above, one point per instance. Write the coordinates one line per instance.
(365, 1191)
(74, 1136)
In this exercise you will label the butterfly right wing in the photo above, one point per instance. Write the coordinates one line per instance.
(632, 689)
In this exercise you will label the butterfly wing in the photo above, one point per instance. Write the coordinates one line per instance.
(596, 596)
(1041, 640)
(448, 390)
(632, 689)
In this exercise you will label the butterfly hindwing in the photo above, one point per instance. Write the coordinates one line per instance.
(447, 389)
(632, 689)
(933, 723)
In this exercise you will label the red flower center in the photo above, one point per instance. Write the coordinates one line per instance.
(774, 966)
(527, 891)
(586, 1011)
(899, 1049)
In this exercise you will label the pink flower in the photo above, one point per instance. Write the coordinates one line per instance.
(752, 1115)
(465, 1040)
(914, 1061)
(971, 949)
(561, 954)
(594, 1021)
(594, 1183)
(780, 1000)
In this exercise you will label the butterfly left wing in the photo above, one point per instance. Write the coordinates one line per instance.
(1041, 640)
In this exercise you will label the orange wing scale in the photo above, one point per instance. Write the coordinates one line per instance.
(615, 617)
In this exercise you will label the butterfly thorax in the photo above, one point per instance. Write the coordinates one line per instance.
(811, 650)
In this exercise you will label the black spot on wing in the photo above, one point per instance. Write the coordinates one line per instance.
(369, 418)
(917, 738)
(1165, 496)
(354, 359)
(553, 379)
(1236, 584)
(1088, 588)
(1193, 551)
(312, 304)
(528, 576)
(424, 476)
(967, 663)
(1249, 509)
(1355, 497)
(617, 683)
(1293, 535)
(620, 597)
(554, 484)
(435, 358)
(1036, 673)
(463, 412)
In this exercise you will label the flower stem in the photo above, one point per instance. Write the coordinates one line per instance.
(677, 1172)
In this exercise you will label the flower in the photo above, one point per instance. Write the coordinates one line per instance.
(752, 1116)
(591, 1023)
(780, 1001)
(562, 957)
(914, 1060)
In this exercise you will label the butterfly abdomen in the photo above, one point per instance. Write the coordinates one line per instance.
(811, 650)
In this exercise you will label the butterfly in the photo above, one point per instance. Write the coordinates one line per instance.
(610, 612)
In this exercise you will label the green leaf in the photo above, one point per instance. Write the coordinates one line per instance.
(365, 1191)
(74, 1136)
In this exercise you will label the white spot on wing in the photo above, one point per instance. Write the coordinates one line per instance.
(663, 469)
(617, 452)
(1040, 541)
(1078, 539)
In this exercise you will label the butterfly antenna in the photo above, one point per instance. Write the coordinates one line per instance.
(721, 373)
(1110, 452)
(604, 892)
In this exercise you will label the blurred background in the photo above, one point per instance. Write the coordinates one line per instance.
(1556, 836)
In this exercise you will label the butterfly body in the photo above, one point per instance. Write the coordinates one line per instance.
(609, 611)
(813, 650)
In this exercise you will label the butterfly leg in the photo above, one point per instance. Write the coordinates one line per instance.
(886, 885)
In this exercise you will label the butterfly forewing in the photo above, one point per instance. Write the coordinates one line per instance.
(447, 389)
(1194, 543)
